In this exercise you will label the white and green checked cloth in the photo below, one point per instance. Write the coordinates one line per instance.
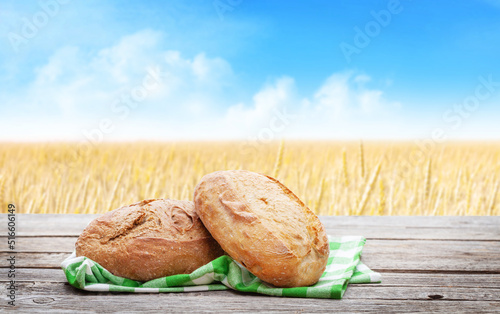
(344, 267)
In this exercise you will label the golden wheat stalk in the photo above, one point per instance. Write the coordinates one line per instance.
(469, 198)
(409, 204)
(362, 159)
(381, 198)
(320, 195)
(427, 184)
(111, 198)
(391, 198)
(368, 189)
(224, 167)
(436, 205)
(344, 167)
(184, 192)
(279, 159)
(30, 206)
(458, 185)
(306, 185)
(491, 205)
(46, 200)
(66, 203)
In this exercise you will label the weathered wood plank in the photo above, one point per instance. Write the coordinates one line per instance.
(357, 292)
(451, 270)
(398, 227)
(229, 301)
(50, 224)
(370, 232)
(34, 274)
(79, 221)
(67, 244)
(432, 255)
(41, 244)
(409, 255)
(389, 279)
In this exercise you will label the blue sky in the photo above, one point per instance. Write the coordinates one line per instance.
(240, 69)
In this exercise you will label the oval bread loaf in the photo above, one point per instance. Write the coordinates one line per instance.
(262, 225)
(150, 239)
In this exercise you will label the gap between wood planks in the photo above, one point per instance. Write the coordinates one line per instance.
(436, 271)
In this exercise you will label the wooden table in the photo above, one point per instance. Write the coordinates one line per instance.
(446, 264)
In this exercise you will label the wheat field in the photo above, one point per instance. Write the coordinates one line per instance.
(332, 178)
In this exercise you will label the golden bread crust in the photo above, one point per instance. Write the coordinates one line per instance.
(149, 239)
(264, 226)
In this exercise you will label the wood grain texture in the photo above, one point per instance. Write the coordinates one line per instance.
(433, 264)
(463, 280)
(67, 244)
(372, 227)
(357, 292)
(230, 302)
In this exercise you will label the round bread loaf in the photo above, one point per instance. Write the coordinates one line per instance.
(262, 225)
(150, 239)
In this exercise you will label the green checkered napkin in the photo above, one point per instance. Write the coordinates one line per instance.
(344, 266)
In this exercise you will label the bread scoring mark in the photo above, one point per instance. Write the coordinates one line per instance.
(182, 220)
(139, 220)
(235, 207)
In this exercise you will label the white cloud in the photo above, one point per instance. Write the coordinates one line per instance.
(190, 98)
(369, 100)
(210, 70)
(334, 95)
(342, 107)
(362, 78)
(265, 102)
(73, 83)
(346, 93)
